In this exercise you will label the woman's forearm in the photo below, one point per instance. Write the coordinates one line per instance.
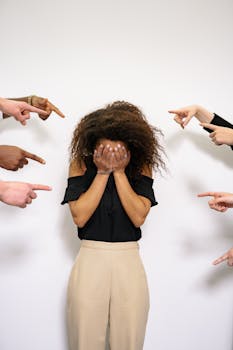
(133, 205)
(84, 207)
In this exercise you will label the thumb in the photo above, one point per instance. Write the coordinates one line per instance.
(219, 200)
(187, 120)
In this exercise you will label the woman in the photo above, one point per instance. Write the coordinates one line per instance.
(110, 194)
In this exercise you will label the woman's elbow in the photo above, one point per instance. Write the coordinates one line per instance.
(139, 221)
(79, 221)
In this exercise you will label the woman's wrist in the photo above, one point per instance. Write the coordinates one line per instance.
(119, 171)
(104, 172)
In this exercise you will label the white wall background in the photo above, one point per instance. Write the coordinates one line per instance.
(82, 55)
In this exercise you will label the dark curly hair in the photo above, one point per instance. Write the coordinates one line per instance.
(119, 121)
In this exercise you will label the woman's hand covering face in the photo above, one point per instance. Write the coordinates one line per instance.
(111, 156)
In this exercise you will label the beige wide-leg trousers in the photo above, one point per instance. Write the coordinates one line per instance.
(107, 286)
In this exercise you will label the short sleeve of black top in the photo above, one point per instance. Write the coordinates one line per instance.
(109, 222)
(219, 121)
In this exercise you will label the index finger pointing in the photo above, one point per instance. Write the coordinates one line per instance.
(221, 259)
(206, 194)
(37, 110)
(36, 187)
(56, 110)
(34, 157)
(209, 126)
(176, 111)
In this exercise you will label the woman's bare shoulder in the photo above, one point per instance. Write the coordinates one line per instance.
(76, 168)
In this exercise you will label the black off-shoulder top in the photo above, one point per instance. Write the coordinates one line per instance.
(109, 222)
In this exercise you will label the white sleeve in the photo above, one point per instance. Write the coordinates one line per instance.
(1, 115)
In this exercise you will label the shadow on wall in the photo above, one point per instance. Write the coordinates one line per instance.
(203, 144)
(193, 246)
(221, 274)
(13, 253)
(40, 131)
(223, 225)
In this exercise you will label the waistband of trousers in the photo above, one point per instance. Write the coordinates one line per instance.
(109, 245)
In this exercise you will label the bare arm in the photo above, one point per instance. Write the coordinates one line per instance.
(137, 207)
(185, 114)
(84, 207)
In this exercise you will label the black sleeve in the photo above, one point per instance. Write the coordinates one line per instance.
(143, 187)
(219, 121)
(76, 186)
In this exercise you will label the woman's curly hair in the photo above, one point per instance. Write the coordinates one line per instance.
(119, 121)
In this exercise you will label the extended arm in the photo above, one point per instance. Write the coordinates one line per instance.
(20, 110)
(221, 131)
(40, 105)
(185, 114)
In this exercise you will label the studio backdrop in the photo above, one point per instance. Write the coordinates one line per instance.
(82, 55)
